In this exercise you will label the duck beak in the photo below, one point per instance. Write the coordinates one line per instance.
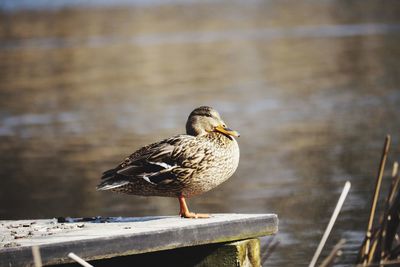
(226, 131)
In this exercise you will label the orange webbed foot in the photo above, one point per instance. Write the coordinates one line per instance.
(192, 215)
(185, 213)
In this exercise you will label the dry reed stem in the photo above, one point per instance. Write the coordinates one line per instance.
(366, 254)
(79, 260)
(386, 263)
(328, 229)
(336, 251)
(37, 259)
(384, 237)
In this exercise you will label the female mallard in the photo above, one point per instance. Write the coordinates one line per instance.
(180, 166)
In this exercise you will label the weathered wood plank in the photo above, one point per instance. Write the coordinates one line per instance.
(125, 236)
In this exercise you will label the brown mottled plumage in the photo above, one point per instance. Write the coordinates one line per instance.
(181, 166)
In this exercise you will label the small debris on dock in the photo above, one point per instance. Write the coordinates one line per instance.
(11, 231)
(11, 245)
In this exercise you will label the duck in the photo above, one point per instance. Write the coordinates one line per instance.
(182, 166)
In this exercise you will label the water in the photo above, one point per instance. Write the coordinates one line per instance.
(312, 86)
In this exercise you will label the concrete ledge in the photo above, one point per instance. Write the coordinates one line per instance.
(125, 236)
(245, 253)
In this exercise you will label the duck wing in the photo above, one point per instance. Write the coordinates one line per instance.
(158, 163)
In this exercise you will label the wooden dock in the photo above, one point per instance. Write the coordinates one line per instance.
(105, 239)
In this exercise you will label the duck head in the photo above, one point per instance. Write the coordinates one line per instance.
(205, 120)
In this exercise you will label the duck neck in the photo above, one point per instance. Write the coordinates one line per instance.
(220, 138)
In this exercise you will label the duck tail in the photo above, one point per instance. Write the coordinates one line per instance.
(110, 183)
(111, 180)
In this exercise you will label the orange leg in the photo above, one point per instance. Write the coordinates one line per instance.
(185, 213)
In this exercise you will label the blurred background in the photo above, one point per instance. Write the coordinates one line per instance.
(312, 86)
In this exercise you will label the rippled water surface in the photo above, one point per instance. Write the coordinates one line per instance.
(312, 86)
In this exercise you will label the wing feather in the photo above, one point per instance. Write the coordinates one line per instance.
(159, 163)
